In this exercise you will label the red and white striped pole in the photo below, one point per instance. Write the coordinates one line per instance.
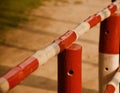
(18, 73)
(110, 88)
(70, 70)
(109, 51)
(114, 83)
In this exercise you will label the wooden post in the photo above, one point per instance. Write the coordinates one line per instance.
(69, 70)
(109, 51)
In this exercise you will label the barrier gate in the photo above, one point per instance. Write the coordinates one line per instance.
(69, 56)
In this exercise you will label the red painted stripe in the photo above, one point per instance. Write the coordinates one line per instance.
(110, 89)
(112, 8)
(29, 66)
(20, 72)
(66, 39)
(14, 76)
(109, 35)
(93, 20)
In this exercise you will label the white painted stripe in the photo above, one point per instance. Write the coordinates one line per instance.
(47, 53)
(108, 64)
(109, 60)
(104, 14)
(81, 29)
(4, 85)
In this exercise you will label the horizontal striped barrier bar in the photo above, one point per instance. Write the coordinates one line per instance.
(21, 71)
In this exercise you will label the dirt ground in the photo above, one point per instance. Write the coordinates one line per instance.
(47, 23)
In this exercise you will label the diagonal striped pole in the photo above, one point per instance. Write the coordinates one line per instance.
(114, 83)
(21, 71)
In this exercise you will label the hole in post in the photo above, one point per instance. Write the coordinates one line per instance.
(107, 32)
(106, 69)
(71, 72)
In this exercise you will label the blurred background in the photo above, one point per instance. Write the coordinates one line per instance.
(29, 25)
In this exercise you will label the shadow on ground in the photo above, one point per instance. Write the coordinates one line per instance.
(41, 82)
(84, 90)
(13, 12)
(34, 81)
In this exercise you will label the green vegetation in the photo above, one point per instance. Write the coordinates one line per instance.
(14, 11)
(56, 1)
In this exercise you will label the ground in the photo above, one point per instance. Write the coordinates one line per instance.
(45, 24)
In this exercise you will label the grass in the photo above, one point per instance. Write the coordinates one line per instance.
(57, 2)
(14, 11)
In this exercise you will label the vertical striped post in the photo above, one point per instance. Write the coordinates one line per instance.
(108, 51)
(69, 70)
